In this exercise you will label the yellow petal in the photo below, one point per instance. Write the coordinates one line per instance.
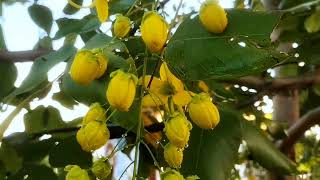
(166, 75)
(102, 10)
(213, 17)
(182, 98)
(154, 31)
(121, 26)
(153, 100)
(155, 85)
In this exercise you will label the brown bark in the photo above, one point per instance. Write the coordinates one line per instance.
(22, 56)
(286, 105)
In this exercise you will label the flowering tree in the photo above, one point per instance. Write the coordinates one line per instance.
(169, 90)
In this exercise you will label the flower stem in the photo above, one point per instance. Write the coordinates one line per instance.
(126, 170)
(152, 156)
(135, 2)
(112, 113)
(140, 122)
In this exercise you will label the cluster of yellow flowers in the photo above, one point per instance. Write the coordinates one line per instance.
(167, 92)
(94, 132)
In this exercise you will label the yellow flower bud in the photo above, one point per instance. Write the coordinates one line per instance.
(177, 130)
(203, 86)
(76, 173)
(194, 177)
(103, 63)
(93, 136)
(121, 26)
(84, 67)
(203, 112)
(101, 169)
(171, 174)
(173, 155)
(95, 113)
(312, 23)
(102, 9)
(213, 17)
(154, 31)
(121, 90)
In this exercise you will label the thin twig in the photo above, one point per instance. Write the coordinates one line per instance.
(126, 169)
(140, 122)
(297, 130)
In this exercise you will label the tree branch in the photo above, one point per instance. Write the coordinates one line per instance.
(115, 131)
(297, 130)
(22, 56)
(278, 84)
(273, 86)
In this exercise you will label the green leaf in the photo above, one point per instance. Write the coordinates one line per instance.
(120, 6)
(26, 146)
(35, 172)
(212, 153)
(40, 67)
(42, 16)
(9, 72)
(135, 46)
(104, 41)
(42, 118)
(64, 99)
(44, 43)
(68, 9)
(9, 158)
(264, 152)
(87, 94)
(2, 40)
(69, 152)
(195, 54)
(128, 120)
(67, 26)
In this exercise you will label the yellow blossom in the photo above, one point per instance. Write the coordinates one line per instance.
(203, 112)
(76, 173)
(121, 26)
(171, 174)
(154, 31)
(173, 155)
(161, 89)
(102, 9)
(213, 16)
(103, 63)
(177, 130)
(95, 113)
(121, 90)
(101, 168)
(84, 67)
(93, 135)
